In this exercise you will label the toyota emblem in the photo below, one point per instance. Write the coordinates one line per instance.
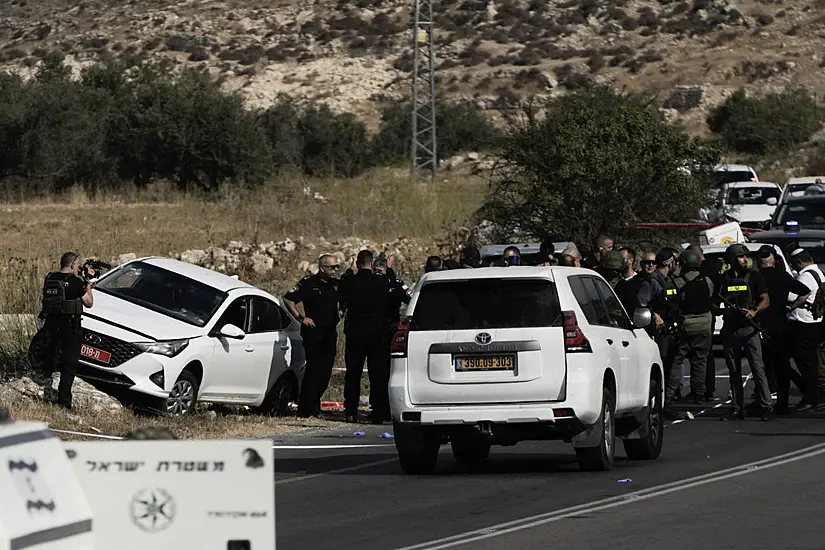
(483, 338)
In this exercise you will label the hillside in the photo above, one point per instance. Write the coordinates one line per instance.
(355, 54)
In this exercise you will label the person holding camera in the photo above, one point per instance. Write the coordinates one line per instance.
(65, 294)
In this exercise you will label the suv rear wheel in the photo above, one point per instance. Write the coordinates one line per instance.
(600, 458)
(417, 449)
(649, 447)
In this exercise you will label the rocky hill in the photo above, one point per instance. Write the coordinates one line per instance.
(354, 54)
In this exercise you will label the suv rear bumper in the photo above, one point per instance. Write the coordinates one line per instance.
(473, 414)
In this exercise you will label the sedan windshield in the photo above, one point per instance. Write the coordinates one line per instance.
(163, 291)
(731, 176)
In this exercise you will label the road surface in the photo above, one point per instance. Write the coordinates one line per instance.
(747, 484)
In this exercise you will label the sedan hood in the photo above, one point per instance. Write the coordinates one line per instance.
(751, 212)
(134, 323)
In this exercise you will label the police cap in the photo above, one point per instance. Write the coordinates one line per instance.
(612, 260)
(690, 259)
(734, 251)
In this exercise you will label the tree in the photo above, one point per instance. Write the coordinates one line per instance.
(774, 123)
(597, 162)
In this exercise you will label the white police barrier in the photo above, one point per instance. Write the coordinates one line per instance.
(200, 494)
(42, 503)
(727, 233)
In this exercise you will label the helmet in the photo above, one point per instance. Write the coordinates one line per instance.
(612, 260)
(690, 259)
(734, 251)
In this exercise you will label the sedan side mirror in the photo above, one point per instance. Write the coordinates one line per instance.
(642, 317)
(231, 331)
(772, 201)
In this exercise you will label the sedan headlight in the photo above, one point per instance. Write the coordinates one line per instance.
(169, 348)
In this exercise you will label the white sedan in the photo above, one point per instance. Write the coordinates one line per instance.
(164, 335)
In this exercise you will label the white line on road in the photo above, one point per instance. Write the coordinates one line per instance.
(337, 471)
(621, 500)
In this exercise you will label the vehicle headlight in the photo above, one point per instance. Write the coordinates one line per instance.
(169, 348)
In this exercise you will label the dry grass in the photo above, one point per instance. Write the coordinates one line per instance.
(381, 206)
(199, 426)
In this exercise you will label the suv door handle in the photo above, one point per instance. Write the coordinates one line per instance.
(249, 348)
(609, 341)
(625, 344)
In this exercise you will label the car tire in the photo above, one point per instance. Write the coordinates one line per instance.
(650, 447)
(470, 449)
(420, 458)
(39, 349)
(600, 458)
(277, 399)
(183, 396)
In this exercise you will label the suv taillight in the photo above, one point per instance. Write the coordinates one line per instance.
(398, 347)
(574, 340)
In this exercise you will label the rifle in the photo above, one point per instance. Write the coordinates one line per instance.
(750, 321)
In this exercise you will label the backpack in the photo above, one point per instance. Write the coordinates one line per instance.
(818, 307)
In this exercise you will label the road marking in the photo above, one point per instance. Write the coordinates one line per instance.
(336, 471)
(322, 447)
(621, 500)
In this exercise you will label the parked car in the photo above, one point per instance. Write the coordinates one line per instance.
(789, 239)
(796, 187)
(750, 204)
(803, 212)
(729, 173)
(494, 356)
(164, 335)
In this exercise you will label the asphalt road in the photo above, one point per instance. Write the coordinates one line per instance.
(747, 484)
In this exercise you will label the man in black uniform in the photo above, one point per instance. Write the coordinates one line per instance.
(65, 294)
(319, 294)
(653, 295)
(695, 334)
(774, 322)
(746, 296)
(712, 268)
(365, 296)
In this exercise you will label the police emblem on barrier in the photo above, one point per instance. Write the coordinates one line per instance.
(483, 338)
(152, 510)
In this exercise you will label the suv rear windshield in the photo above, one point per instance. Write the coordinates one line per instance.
(752, 195)
(163, 291)
(809, 212)
(731, 176)
(487, 304)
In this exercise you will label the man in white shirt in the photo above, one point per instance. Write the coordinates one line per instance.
(807, 331)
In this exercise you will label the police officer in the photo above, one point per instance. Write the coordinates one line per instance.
(611, 267)
(365, 296)
(65, 294)
(695, 335)
(712, 267)
(399, 292)
(745, 295)
(319, 294)
(653, 295)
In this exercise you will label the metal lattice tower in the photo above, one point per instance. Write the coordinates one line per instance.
(423, 154)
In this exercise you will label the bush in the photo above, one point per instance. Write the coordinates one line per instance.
(774, 123)
(596, 162)
(114, 125)
(459, 126)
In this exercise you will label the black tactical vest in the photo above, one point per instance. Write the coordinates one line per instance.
(737, 291)
(55, 302)
(695, 294)
(672, 292)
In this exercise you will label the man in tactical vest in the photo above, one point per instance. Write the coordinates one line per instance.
(695, 302)
(65, 294)
(745, 295)
(653, 294)
(611, 266)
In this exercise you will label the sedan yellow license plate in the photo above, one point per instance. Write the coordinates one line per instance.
(485, 362)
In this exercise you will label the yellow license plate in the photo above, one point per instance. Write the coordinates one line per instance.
(488, 362)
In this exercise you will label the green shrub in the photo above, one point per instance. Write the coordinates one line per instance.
(596, 162)
(774, 123)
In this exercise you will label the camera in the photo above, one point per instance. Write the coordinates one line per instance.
(97, 267)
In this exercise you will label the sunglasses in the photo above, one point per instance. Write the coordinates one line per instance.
(648, 262)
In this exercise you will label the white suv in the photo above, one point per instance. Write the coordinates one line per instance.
(498, 355)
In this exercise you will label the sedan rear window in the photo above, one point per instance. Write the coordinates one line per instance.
(163, 291)
(487, 304)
